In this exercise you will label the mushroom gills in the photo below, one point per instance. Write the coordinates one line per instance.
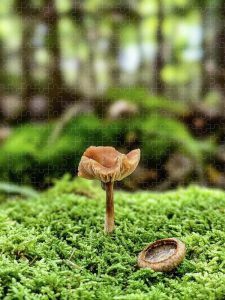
(163, 255)
(160, 252)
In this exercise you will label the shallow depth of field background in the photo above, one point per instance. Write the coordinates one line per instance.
(146, 74)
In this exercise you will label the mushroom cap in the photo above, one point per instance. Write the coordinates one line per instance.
(107, 164)
(163, 255)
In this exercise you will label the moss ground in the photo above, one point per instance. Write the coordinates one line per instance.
(53, 246)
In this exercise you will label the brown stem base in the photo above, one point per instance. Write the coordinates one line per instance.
(109, 218)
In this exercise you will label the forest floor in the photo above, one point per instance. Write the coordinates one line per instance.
(53, 246)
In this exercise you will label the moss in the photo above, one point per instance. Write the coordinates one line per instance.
(27, 157)
(53, 247)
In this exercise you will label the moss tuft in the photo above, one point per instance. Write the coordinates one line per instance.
(53, 246)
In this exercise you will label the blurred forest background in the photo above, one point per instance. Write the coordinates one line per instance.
(129, 73)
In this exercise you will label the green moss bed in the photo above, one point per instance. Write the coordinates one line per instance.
(53, 246)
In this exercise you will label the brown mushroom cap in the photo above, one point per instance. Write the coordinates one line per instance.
(163, 255)
(107, 164)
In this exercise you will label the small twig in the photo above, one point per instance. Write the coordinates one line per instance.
(72, 253)
(11, 188)
(84, 193)
(67, 115)
(33, 260)
(71, 264)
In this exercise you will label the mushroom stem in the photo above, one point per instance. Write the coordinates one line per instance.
(109, 218)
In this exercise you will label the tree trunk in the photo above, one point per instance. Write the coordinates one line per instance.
(141, 69)
(25, 10)
(26, 61)
(2, 64)
(114, 53)
(158, 84)
(90, 33)
(220, 59)
(205, 79)
(55, 87)
(220, 52)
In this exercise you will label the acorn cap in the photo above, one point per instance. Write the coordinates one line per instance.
(107, 164)
(163, 255)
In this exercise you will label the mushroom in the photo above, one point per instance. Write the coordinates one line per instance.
(107, 165)
(163, 255)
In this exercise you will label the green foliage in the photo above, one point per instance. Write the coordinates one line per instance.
(133, 94)
(54, 247)
(9, 188)
(165, 105)
(17, 156)
(162, 135)
(27, 157)
(141, 97)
